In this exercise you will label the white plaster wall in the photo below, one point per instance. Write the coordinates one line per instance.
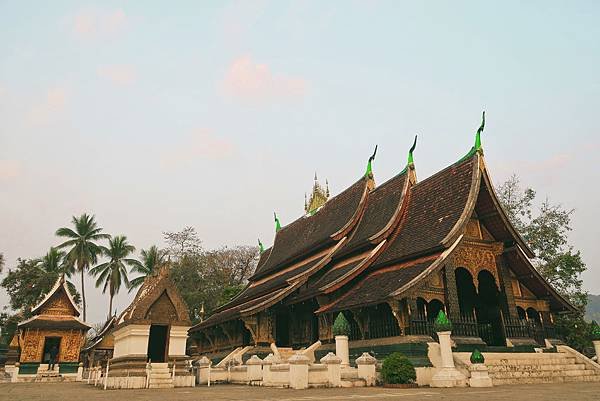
(131, 340)
(177, 339)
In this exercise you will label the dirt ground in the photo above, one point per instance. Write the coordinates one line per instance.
(81, 392)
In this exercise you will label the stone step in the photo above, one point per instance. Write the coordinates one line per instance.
(546, 373)
(512, 368)
(160, 375)
(541, 380)
(161, 385)
(353, 383)
(531, 361)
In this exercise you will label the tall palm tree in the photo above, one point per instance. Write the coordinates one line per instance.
(113, 274)
(83, 250)
(151, 259)
(53, 262)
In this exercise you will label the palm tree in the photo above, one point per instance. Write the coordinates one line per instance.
(113, 273)
(84, 250)
(53, 262)
(151, 259)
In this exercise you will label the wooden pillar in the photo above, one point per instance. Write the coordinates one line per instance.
(508, 297)
(451, 293)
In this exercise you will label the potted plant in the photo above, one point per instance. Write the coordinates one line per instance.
(398, 371)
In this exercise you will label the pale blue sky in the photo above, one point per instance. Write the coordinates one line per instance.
(157, 115)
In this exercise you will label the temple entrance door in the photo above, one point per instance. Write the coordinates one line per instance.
(48, 344)
(282, 330)
(489, 316)
(157, 343)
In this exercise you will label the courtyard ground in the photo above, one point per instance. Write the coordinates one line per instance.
(80, 392)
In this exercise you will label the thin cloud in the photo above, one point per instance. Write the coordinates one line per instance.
(88, 24)
(9, 169)
(249, 80)
(118, 74)
(200, 144)
(50, 108)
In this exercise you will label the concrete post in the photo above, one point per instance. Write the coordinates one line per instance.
(254, 371)
(366, 368)
(334, 374)
(203, 367)
(597, 349)
(79, 372)
(15, 373)
(298, 371)
(479, 376)
(266, 369)
(342, 350)
(448, 375)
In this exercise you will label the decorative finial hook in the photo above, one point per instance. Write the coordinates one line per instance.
(410, 152)
(479, 132)
(277, 224)
(369, 171)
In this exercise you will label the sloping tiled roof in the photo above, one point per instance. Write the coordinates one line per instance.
(308, 232)
(377, 286)
(59, 285)
(435, 206)
(381, 205)
(54, 322)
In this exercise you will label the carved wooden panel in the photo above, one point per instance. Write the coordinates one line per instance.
(59, 304)
(477, 257)
(33, 344)
(473, 230)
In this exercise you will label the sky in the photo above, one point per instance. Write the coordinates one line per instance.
(158, 115)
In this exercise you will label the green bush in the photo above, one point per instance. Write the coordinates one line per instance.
(398, 369)
(442, 323)
(341, 327)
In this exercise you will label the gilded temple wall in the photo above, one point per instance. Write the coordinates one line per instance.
(32, 344)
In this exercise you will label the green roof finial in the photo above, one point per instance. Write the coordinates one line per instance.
(277, 224)
(369, 171)
(442, 323)
(410, 152)
(479, 131)
(260, 246)
(477, 356)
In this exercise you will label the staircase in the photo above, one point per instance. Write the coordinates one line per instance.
(533, 368)
(160, 376)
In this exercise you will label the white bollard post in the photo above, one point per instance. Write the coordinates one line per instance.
(266, 369)
(254, 369)
(342, 350)
(80, 372)
(366, 368)
(298, 371)
(203, 365)
(15, 373)
(334, 374)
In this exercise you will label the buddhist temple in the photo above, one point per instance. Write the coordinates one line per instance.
(390, 257)
(150, 337)
(100, 347)
(55, 323)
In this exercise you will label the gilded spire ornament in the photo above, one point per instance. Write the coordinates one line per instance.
(318, 197)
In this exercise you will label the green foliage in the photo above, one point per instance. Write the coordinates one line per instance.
(595, 331)
(546, 232)
(1, 262)
(575, 331)
(341, 327)
(8, 323)
(151, 259)
(112, 274)
(398, 369)
(442, 323)
(477, 357)
(83, 248)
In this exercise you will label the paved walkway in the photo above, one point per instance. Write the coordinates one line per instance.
(81, 392)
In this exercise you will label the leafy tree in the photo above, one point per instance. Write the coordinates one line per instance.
(83, 248)
(183, 243)
(546, 232)
(1, 262)
(112, 274)
(152, 258)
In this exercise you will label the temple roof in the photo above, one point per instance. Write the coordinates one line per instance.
(105, 330)
(153, 290)
(60, 287)
(54, 322)
(307, 233)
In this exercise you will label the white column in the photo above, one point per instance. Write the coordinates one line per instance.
(342, 350)
(15, 373)
(447, 376)
(366, 368)
(298, 371)
(80, 372)
(334, 374)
